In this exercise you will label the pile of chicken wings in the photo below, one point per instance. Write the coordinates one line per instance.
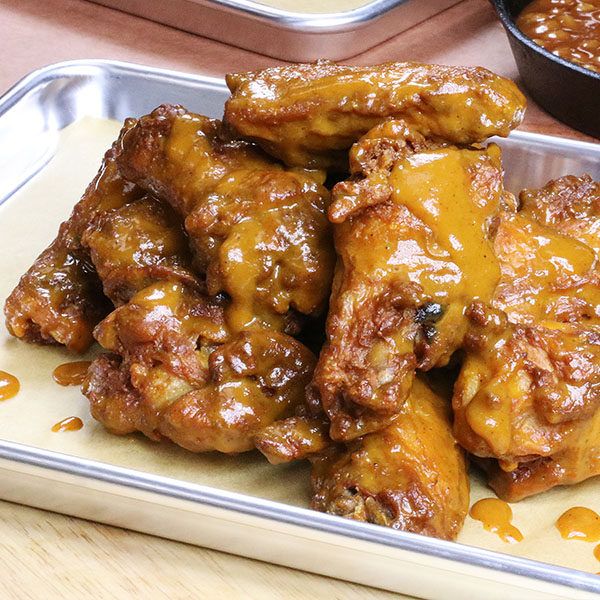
(334, 271)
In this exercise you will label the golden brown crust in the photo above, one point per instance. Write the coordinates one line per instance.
(310, 114)
(59, 299)
(410, 476)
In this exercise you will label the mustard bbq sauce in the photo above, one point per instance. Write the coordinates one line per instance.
(9, 386)
(580, 523)
(72, 373)
(496, 516)
(68, 424)
(568, 28)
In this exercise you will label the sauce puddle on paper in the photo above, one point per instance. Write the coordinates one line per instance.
(72, 373)
(496, 516)
(68, 424)
(9, 386)
(580, 523)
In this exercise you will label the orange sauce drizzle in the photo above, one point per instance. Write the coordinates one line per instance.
(597, 552)
(68, 424)
(72, 373)
(496, 516)
(9, 386)
(580, 523)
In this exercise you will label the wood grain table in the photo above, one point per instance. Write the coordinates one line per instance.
(45, 555)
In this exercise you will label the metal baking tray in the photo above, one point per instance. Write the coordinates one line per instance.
(295, 35)
(31, 115)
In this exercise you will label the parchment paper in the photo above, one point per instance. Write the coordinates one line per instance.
(28, 222)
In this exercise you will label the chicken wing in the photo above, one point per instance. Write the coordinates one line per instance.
(259, 233)
(412, 475)
(179, 156)
(60, 299)
(528, 395)
(267, 243)
(413, 235)
(310, 114)
(174, 378)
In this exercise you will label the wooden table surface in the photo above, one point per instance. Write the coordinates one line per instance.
(45, 555)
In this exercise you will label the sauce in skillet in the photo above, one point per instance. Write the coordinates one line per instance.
(568, 28)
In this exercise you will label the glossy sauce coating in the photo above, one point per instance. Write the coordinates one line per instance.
(68, 424)
(568, 28)
(496, 516)
(9, 386)
(310, 114)
(580, 523)
(71, 373)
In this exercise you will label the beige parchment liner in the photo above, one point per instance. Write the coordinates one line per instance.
(28, 222)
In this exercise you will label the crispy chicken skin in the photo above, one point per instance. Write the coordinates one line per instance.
(409, 263)
(528, 395)
(179, 156)
(136, 245)
(411, 476)
(569, 205)
(266, 241)
(60, 299)
(310, 114)
(260, 234)
(294, 438)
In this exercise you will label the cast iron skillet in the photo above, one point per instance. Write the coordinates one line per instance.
(568, 92)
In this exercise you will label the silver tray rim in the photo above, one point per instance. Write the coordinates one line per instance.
(166, 487)
(307, 22)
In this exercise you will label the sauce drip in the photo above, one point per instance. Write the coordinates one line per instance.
(580, 523)
(597, 552)
(9, 386)
(72, 373)
(496, 516)
(68, 424)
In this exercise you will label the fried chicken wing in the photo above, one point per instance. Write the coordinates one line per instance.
(136, 245)
(235, 390)
(412, 475)
(179, 156)
(409, 263)
(259, 233)
(255, 379)
(60, 299)
(528, 395)
(546, 276)
(310, 114)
